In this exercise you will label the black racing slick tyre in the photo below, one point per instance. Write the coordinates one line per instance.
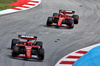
(14, 42)
(76, 19)
(41, 54)
(55, 14)
(40, 44)
(70, 23)
(15, 51)
(49, 21)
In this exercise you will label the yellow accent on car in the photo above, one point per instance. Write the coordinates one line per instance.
(28, 50)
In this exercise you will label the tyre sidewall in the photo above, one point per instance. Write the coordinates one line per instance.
(76, 19)
(49, 21)
(14, 42)
(41, 53)
(70, 23)
(15, 50)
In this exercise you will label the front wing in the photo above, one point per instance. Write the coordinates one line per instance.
(62, 25)
(32, 56)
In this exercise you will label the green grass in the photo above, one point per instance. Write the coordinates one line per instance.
(4, 4)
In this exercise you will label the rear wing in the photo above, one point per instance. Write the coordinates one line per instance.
(66, 12)
(27, 37)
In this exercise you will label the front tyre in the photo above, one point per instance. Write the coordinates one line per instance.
(15, 51)
(70, 23)
(49, 21)
(76, 19)
(41, 54)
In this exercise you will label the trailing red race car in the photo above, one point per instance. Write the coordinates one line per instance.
(27, 47)
(63, 19)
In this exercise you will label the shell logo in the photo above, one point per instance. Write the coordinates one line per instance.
(28, 50)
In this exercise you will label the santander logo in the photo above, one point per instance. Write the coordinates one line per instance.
(28, 47)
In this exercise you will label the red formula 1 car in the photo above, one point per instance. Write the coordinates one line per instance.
(63, 19)
(27, 47)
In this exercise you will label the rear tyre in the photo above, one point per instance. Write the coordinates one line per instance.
(14, 42)
(41, 54)
(76, 19)
(49, 21)
(55, 14)
(70, 23)
(40, 44)
(15, 51)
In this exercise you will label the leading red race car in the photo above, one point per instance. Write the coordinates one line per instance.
(24, 47)
(63, 19)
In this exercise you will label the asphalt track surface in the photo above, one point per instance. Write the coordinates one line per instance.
(57, 42)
